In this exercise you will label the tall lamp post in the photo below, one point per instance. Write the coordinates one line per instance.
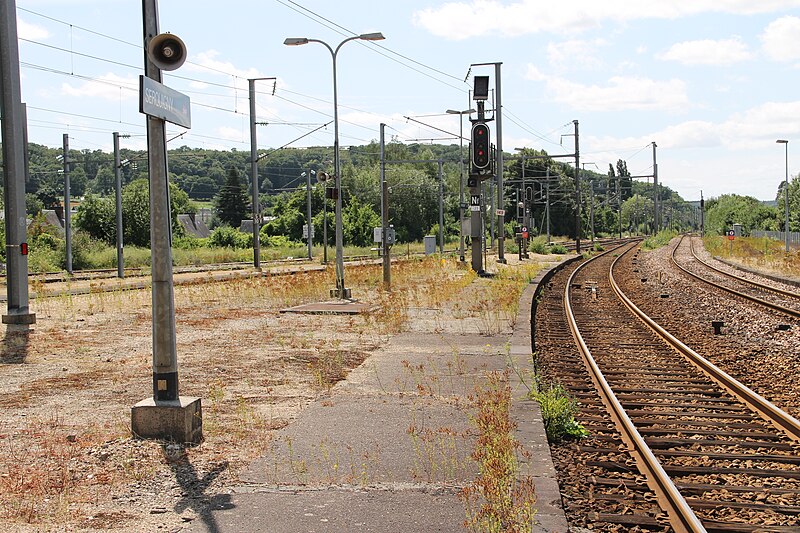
(785, 142)
(340, 291)
(461, 178)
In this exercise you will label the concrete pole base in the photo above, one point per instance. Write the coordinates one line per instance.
(178, 421)
(23, 319)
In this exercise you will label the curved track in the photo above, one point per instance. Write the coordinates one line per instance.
(780, 300)
(713, 454)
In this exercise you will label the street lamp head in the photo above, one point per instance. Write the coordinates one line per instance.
(295, 41)
(454, 112)
(377, 36)
(782, 141)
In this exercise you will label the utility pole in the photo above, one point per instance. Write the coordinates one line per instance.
(547, 202)
(387, 260)
(308, 214)
(499, 119)
(656, 194)
(118, 199)
(702, 215)
(67, 202)
(251, 83)
(13, 130)
(577, 191)
(441, 209)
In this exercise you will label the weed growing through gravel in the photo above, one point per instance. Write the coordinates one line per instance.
(498, 500)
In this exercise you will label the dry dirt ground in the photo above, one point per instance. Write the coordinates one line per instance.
(67, 461)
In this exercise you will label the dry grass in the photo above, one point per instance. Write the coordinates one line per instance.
(66, 458)
(761, 253)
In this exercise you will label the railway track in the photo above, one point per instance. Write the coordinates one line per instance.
(681, 451)
(781, 300)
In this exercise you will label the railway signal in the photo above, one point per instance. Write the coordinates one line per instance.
(480, 146)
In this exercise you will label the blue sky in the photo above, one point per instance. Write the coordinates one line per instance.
(713, 82)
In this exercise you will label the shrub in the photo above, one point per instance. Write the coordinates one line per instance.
(558, 413)
(228, 237)
(558, 249)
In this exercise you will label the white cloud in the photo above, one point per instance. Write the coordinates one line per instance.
(781, 39)
(231, 134)
(26, 30)
(620, 93)
(756, 127)
(708, 52)
(464, 19)
(576, 53)
(106, 87)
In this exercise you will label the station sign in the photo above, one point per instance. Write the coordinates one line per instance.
(159, 101)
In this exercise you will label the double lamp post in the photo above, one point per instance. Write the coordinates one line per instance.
(340, 291)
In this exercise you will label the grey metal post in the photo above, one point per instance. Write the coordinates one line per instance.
(165, 357)
(577, 192)
(499, 119)
(591, 207)
(387, 260)
(461, 179)
(14, 157)
(491, 206)
(118, 203)
(702, 215)
(547, 204)
(619, 208)
(308, 214)
(325, 225)
(786, 197)
(656, 195)
(441, 209)
(461, 186)
(67, 205)
(254, 174)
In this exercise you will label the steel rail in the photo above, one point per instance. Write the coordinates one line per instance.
(775, 307)
(682, 517)
(765, 409)
(776, 290)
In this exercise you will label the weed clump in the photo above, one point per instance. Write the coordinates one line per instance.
(497, 501)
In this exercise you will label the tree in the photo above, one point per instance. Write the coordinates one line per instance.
(358, 221)
(729, 209)
(136, 211)
(231, 204)
(97, 217)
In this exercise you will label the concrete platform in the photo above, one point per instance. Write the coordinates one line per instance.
(390, 448)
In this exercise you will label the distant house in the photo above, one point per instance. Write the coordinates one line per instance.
(194, 226)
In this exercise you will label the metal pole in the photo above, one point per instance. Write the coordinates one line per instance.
(547, 203)
(656, 195)
(341, 292)
(14, 157)
(619, 208)
(461, 187)
(308, 214)
(786, 196)
(165, 358)
(499, 118)
(441, 209)
(577, 192)
(387, 260)
(67, 202)
(591, 207)
(254, 175)
(325, 225)
(118, 203)
(491, 206)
